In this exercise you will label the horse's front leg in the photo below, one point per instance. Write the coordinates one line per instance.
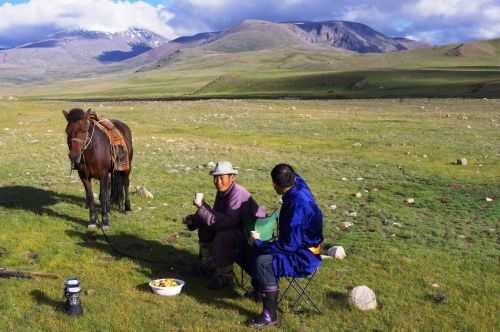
(89, 200)
(104, 197)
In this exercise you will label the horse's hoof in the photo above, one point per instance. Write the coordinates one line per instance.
(92, 226)
(105, 227)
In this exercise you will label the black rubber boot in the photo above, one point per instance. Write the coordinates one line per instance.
(269, 315)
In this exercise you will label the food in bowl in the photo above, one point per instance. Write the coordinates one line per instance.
(165, 283)
(166, 286)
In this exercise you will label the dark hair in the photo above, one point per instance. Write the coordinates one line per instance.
(283, 175)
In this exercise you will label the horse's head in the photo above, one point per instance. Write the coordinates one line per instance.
(77, 131)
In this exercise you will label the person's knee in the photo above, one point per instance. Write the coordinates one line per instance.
(263, 261)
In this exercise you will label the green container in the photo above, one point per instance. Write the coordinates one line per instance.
(265, 226)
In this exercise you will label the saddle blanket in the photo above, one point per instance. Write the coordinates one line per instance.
(119, 149)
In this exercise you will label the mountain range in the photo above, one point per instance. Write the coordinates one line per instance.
(82, 53)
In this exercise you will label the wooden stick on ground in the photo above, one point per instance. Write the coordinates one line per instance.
(9, 273)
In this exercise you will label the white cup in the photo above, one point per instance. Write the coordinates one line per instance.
(255, 234)
(198, 198)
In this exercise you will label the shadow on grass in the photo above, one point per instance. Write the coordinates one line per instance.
(338, 300)
(38, 201)
(157, 260)
(42, 299)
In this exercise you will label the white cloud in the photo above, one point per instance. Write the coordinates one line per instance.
(103, 15)
(454, 20)
(446, 8)
(366, 13)
(209, 3)
(435, 21)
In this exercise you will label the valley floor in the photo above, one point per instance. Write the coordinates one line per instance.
(386, 150)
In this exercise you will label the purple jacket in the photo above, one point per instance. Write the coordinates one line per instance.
(231, 209)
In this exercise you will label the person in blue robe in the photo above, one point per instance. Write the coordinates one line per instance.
(295, 252)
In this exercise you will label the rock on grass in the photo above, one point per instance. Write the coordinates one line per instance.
(363, 298)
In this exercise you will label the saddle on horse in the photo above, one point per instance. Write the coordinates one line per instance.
(119, 149)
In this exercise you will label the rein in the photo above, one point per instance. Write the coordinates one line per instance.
(86, 143)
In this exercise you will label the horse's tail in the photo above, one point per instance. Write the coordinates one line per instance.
(119, 183)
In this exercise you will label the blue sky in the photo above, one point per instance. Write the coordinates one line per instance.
(433, 21)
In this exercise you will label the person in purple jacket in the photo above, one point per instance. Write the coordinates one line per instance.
(220, 228)
(296, 251)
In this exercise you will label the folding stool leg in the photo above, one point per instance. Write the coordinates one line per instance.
(302, 294)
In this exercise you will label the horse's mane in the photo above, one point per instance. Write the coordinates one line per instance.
(76, 114)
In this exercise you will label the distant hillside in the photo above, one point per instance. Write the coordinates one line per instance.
(74, 52)
(354, 36)
(254, 35)
(198, 39)
(476, 49)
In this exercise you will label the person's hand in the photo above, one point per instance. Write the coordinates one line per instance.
(188, 220)
(198, 200)
(254, 235)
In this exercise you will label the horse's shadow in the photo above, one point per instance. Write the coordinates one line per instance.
(157, 260)
(38, 201)
(154, 259)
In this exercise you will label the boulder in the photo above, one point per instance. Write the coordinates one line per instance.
(363, 298)
(337, 251)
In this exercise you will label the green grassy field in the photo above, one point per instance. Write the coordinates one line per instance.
(194, 73)
(388, 150)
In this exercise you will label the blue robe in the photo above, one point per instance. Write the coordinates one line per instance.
(300, 227)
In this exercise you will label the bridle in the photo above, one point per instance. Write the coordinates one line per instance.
(85, 142)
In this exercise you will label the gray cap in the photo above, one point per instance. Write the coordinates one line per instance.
(223, 167)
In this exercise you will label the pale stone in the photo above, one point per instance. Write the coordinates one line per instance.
(142, 191)
(489, 199)
(352, 213)
(462, 162)
(345, 225)
(333, 207)
(363, 298)
(357, 195)
(337, 251)
(410, 200)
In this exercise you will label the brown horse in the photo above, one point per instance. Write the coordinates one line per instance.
(90, 152)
